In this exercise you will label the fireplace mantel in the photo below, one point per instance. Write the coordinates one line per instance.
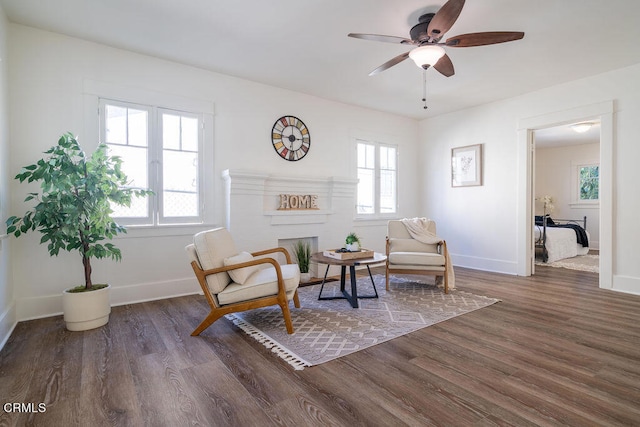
(252, 201)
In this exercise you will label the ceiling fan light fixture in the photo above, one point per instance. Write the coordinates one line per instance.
(424, 56)
(582, 127)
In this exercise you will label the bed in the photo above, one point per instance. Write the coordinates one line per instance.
(561, 238)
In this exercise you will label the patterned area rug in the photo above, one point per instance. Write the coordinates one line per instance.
(328, 329)
(589, 263)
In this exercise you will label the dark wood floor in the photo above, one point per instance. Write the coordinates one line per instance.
(556, 351)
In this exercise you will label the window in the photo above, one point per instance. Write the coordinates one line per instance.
(589, 179)
(585, 184)
(160, 150)
(377, 178)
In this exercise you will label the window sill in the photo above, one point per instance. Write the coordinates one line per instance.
(143, 231)
(585, 205)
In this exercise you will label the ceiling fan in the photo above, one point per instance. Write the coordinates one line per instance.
(426, 35)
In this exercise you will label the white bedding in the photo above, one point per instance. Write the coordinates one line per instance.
(561, 243)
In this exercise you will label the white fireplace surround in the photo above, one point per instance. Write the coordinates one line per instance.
(253, 218)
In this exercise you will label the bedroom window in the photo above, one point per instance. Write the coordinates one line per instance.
(160, 150)
(585, 184)
(589, 177)
(377, 178)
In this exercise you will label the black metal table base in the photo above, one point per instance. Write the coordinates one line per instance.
(353, 296)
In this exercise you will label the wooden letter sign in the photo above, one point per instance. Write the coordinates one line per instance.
(298, 201)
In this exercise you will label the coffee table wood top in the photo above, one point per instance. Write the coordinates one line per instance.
(376, 259)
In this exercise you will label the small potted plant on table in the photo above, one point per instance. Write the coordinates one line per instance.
(352, 242)
(73, 213)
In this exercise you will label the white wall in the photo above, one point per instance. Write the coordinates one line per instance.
(7, 302)
(554, 177)
(49, 74)
(479, 223)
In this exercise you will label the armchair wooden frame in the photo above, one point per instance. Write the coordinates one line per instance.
(442, 248)
(217, 311)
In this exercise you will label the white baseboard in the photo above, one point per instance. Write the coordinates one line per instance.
(47, 306)
(8, 323)
(154, 291)
(485, 264)
(626, 284)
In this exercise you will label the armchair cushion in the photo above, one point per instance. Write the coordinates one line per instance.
(411, 245)
(212, 247)
(261, 283)
(240, 275)
(416, 258)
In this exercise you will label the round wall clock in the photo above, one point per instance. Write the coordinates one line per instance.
(290, 138)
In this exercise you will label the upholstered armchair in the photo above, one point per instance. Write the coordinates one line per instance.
(235, 281)
(407, 254)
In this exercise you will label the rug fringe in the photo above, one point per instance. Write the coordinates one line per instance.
(291, 358)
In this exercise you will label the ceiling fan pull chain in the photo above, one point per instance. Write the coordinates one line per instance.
(424, 88)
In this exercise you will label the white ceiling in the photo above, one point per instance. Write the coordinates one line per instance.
(564, 135)
(303, 45)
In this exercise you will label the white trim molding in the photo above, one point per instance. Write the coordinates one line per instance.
(603, 112)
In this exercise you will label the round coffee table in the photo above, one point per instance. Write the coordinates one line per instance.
(353, 297)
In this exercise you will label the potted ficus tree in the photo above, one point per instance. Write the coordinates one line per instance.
(73, 213)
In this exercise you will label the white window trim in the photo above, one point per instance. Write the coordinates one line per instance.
(94, 90)
(376, 141)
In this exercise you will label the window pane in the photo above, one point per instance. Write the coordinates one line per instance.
(387, 158)
(189, 134)
(125, 126)
(116, 125)
(366, 156)
(178, 204)
(589, 183)
(138, 125)
(387, 191)
(366, 191)
(180, 181)
(134, 165)
(171, 131)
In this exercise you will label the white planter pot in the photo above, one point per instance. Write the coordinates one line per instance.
(86, 310)
(352, 247)
(305, 277)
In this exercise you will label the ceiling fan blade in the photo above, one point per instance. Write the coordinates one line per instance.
(381, 38)
(482, 39)
(444, 66)
(390, 63)
(444, 19)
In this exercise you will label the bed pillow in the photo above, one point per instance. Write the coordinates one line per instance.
(240, 275)
(539, 220)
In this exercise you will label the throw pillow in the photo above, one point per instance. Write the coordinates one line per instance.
(240, 275)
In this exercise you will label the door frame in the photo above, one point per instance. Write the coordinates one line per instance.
(603, 112)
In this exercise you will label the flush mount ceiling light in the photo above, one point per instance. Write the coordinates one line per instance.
(425, 56)
(582, 127)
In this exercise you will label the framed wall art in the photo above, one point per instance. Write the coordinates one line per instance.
(466, 166)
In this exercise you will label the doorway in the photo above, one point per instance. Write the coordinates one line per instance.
(566, 160)
(601, 112)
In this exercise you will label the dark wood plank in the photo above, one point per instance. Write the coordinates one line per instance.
(555, 350)
(105, 368)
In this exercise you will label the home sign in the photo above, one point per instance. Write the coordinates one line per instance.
(298, 201)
